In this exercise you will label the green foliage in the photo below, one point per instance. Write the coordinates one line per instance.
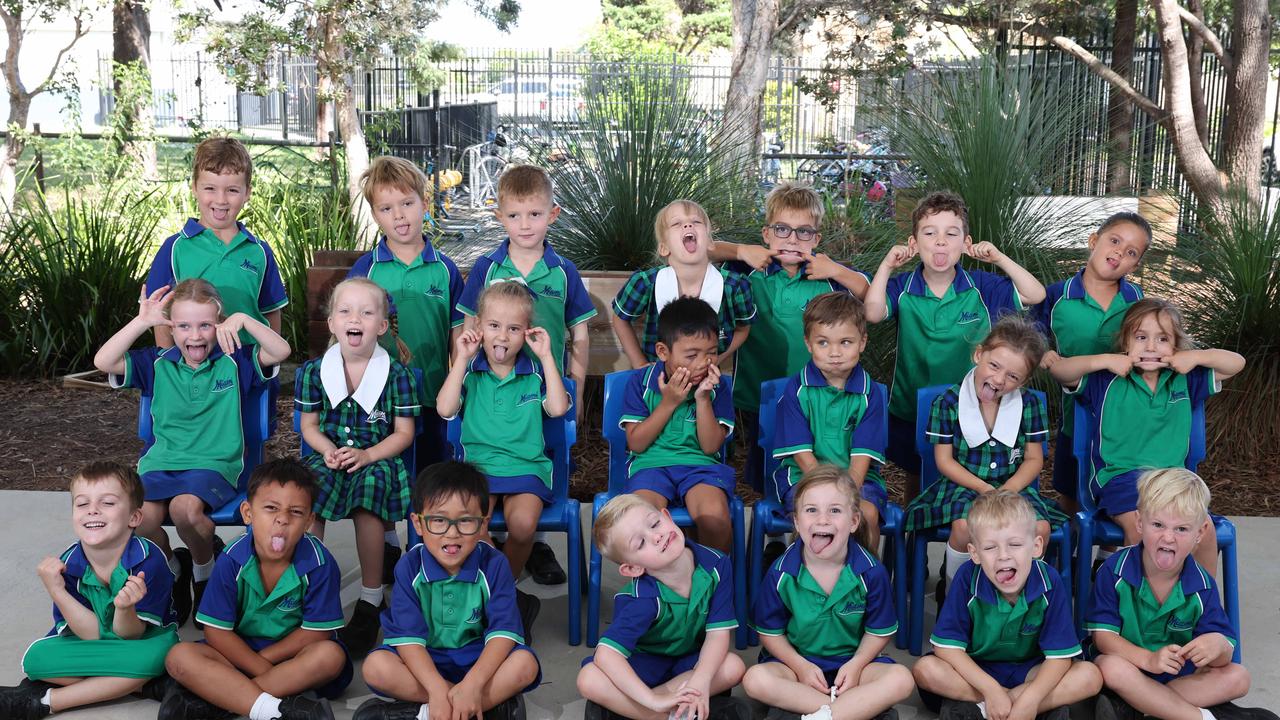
(131, 91)
(636, 28)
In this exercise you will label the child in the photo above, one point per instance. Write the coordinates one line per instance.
(943, 311)
(357, 406)
(676, 415)
(832, 412)
(561, 305)
(825, 613)
(217, 247)
(987, 433)
(667, 652)
(785, 276)
(113, 620)
(270, 613)
(1142, 399)
(1164, 640)
(197, 386)
(1004, 639)
(683, 232)
(1082, 315)
(502, 394)
(458, 669)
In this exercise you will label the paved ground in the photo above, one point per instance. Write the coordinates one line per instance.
(39, 524)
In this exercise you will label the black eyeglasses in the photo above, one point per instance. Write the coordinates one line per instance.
(784, 231)
(439, 524)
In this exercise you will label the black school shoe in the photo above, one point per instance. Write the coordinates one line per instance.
(543, 566)
(596, 711)
(528, 605)
(182, 604)
(301, 707)
(157, 688)
(361, 634)
(510, 709)
(780, 714)
(956, 710)
(390, 556)
(378, 709)
(728, 708)
(182, 704)
(1062, 712)
(1231, 711)
(1110, 706)
(22, 701)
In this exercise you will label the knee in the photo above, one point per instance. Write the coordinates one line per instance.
(925, 671)
(1115, 669)
(178, 662)
(1235, 679)
(710, 509)
(329, 657)
(187, 511)
(756, 680)
(1088, 676)
(377, 668)
(732, 670)
(901, 681)
(522, 525)
(589, 682)
(526, 667)
(959, 534)
(870, 515)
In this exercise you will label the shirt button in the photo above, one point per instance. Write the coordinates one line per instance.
(992, 443)
(347, 429)
(993, 466)
(353, 442)
(449, 611)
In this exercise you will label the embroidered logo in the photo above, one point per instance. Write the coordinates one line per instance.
(289, 604)
(246, 265)
(528, 398)
(221, 385)
(967, 316)
(377, 416)
(1015, 454)
(548, 291)
(1178, 396)
(475, 616)
(1031, 627)
(851, 607)
(433, 292)
(1179, 624)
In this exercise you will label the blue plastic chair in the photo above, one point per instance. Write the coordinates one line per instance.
(1059, 538)
(564, 513)
(1093, 527)
(768, 517)
(256, 410)
(615, 384)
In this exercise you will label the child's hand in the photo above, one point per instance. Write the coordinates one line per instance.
(849, 675)
(229, 332)
(1165, 660)
(331, 460)
(662, 702)
(1050, 359)
(700, 705)
(135, 588)
(467, 344)
(440, 708)
(465, 699)
(1117, 364)
(709, 383)
(757, 256)
(540, 343)
(50, 571)
(352, 458)
(1182, 362)
(1023, 709)
(675, 388)
(986, 252)
(897, 256)
(811, 675)
(821, 267)
(998, 705)
(1204, 649)
(151, 308)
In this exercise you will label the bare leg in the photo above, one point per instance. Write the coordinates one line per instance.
(369, 547)
(521, 513)
(1042, 530)
(1182, 698)
(317, 528)
(937, 676)
(76, 692)
(709, 508)
(208, 674)
(959, 540)
(194, 527)
(871, 518)
(1083, 680)
(153, 515)
(387, 672)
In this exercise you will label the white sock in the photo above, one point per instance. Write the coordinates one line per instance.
(266, 707)
(982, 708)
(201, 573)
(822, 713)
(391, 538)
(48, 699)
(955, 558)
(422, 713)
(174, 566)
(373, 596)
(540, 537)
(1206, 715)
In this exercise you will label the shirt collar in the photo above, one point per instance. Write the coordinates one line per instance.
(1074, 289)
(549, 256)
(308, 554)
(524, 364)
(433, 572)
(858, 382)
(647, 586)
(1008, 416)
(857, 559)
(333, 378)
(1038, 584)
(666, 287)
(1193, 578)
(917, 286)
(382, 253)
(193, 228)
(134, 553)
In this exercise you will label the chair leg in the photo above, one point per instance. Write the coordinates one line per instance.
(574, 540)
(1083, 573)
(740, 574)
(915, 627)
(897, 546)
(1231, 593)
(593, 598)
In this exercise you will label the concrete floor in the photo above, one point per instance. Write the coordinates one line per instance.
(39, 525)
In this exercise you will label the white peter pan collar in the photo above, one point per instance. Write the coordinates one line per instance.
(974, 428)
(667, 288)
(333, 378)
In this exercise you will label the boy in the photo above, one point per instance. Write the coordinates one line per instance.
(943, 311)
(832, 412)
(676, 414)
(1004, 638)
(1165, 643)
(270, 612)
(667, 650)
(526, 209)
(785, 276)
(113, 619)
(458, 669)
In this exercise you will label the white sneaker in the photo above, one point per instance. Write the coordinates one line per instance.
(822, 713)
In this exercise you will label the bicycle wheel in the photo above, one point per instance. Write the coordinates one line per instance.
(484, 180)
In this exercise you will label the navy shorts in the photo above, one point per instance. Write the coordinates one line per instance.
(209, 486)
(432, 443)
(331, 690)
(873, 492)
(657, 669)
(1064, 467)
(901, 450)
(1119, 495)
(453, 664)
(1009, 674)
(829, 665)
(519, 485)
(674, 482)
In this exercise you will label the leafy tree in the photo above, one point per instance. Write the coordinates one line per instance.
(638, 28)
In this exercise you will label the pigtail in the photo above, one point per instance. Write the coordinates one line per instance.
(401, 348)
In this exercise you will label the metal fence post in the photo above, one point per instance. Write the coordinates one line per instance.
(333, 159)
(199, 89)
(284, 99)
(39, 158)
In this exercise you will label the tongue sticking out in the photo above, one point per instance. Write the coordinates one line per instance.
(1165, 558)
(499, 353)
(690, 243)
(986, 393)
(820, 542)
(1005, 575)
(939, 259)
(277, 543)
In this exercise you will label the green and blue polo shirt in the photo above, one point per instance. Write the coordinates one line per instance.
(677, 444)
(648, 291)
(140, 556)
(502, 419)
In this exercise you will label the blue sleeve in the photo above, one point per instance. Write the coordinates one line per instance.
(220, 606)
(1042, 312)
(1201, 384)
(720, 614)
(1103, 611)
(455, 291)
(470, 296)
(251, 374)
(632, 618)
(500, 610)
(722, 403)
(881, 618)
(769, 615)
(1213, 619)
(997, 293)
(578, 307)
(161, 272)
(943, 419)
(322, 602)
(893, 290)
(271, 296)
(404, 622)
(70, 583)
(954, 626)
(362, 266)
(633, 406)
(1058, 633)
(139, 370)
(1092, 389)
(791, 431)
(871, 434)
(156, 607)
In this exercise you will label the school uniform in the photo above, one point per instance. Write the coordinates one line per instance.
(453, 616)
(307, 596)
(1077, 325)
(197, 419)
(1123, 604)
(836, 424)
(425, 293)
(62, 654)
(359, 419)
(502, 433)
(1138, 428)
(648, 291)
(675, 462)
(993, 455)
(936, 338)
(661, 633)
(1007, 639)
(825, 628)
(560, 299)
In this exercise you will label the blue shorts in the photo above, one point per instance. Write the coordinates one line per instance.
(872, 491)
(519, 485)
(331, 690)
(901, 450)
(453, 664)
(207, 485)
(432, 443)
(674, 482)
(1065, 467)
(657, 669)
(1009, 674)
(829, 665)
(1119, 495)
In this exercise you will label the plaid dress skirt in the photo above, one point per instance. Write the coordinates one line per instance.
(382, 488)
(944, 502)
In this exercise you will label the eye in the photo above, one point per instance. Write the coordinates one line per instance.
(297, 512)
(1133, 253)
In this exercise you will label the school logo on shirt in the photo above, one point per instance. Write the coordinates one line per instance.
(1015, 454)
(475, 616)
(852, 607)
(222, 385)
(1179, 624)
(527, 398)
(246, 265)
(548, 291)
(289, 604)
(377, 416)
(433, 292)
(1030, 627)
(1178, 396)
(967, 316)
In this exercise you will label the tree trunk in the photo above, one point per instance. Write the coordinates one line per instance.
(19, 107)
(348, 120)
(131, 43)
(324, 112)
(1247, 96)
(754, 25)
(1119, 109)
(1195, 69)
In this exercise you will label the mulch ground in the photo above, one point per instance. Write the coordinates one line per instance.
(53, 430)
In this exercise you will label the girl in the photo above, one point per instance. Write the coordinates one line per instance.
(1141, 398)
(986, 433)
(1082, 315)
(357, 406)
(502, 395)
(197, 387)
(824, 613)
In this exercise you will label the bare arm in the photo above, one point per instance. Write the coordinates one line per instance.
(274, 321)
(1028, 471)
(627, 339)
(82, 620)
(640, 435)
(111, 356)
(449, 399)
(1069, 371)
(1051, 672)
(272, 349)
(237, 652)
(859, 466)
(288, 647)
(710, 432)
(556, 402)
(579, 359)
(966, 668)
(951, 469)
(740, 334)
(876, 300)
(1224, 363)
(423, 669)
(309, 426)
(757, 256)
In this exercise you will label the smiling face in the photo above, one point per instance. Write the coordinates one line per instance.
(1116, 251)
(526, 219)
(101, 514)
(686, 235)
(998, 371)
(398, 213)
(280, 514)
(1151, 341)
(1168, 537)
(790, 250)
(1005, 554)
(697, 353)
(502, 327)
(195, 329)
(452, 548)
(219, 199)
(835, 348)
(357, 318)
(940, 239)
(645, 539)
(825, 518)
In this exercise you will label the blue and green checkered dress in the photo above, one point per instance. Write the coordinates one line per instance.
(945, 501)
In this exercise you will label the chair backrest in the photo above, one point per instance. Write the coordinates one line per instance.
(924, 404)
(255, 417)
(770, 394)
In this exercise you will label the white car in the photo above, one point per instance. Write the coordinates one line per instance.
(533, 99)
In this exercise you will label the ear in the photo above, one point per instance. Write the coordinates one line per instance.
(977, 353)
(968, 241)
(246, 512)
(764, 234)
(630, 570)
(663, 352)
(1206, 526)
(555, 213)
(663, 250)
(973, 555)
(135, 518)
(384, 326)
(1037, 546)
(1093, 240)
(911, 243)
(419, 526)
(1137, 515)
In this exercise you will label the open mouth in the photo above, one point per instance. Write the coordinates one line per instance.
(402, 230)
(1006, 575)
(196, 350)
(451, 549)
(1149, 361)
(355, 337)
(94, 525)
(1166, 558)
(499, 352)
(690, 241)
(820, 541)
(988, 392)
(277, 543)
(940, 259)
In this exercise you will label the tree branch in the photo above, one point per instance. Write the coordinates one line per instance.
(1210, 38)
(80, 31)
